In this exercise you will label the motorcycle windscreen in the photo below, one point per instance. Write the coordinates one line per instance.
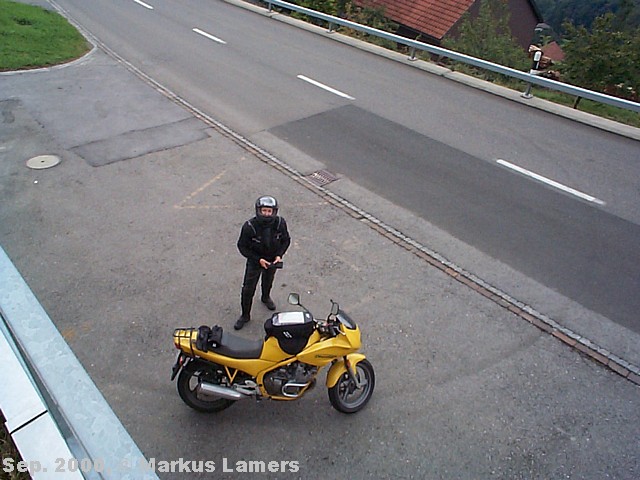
(346, 320)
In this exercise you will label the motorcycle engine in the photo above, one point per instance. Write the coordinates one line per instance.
(289, 379)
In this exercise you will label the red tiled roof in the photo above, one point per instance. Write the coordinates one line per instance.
(434, 17)
(553, 51)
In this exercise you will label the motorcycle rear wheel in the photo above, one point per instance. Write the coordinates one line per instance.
(188, 381)
(346, 397)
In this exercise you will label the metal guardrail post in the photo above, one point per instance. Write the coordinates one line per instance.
(534, 70)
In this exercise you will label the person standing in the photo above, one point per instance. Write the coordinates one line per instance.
(263, 241)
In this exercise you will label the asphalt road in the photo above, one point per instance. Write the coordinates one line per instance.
(133, 234)
(245, 70)
(581, 251)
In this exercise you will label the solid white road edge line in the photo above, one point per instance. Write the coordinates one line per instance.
(325, 87)
(209, 36)
(143, 4)
(548, 181)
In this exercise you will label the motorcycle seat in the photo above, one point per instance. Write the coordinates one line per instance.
(238, 347)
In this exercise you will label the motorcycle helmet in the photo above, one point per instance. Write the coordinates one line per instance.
(266, 201)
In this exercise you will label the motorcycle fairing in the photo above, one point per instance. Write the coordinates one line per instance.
(330, 349)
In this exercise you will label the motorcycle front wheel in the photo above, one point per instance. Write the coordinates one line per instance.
(194, 373)
(346, 397)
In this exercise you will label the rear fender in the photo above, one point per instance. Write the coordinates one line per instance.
(181, 362)
(339, 368)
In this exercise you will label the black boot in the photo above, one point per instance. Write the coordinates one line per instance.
(245, 304)
(269, 303)
(267, 283)
(242, 319)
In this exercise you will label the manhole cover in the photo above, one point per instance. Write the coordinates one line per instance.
(43, 161)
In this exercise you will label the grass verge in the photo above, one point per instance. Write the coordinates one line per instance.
(603, 110)
(33, 37)
(620, 115)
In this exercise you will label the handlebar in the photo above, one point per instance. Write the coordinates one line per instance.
(334, 320)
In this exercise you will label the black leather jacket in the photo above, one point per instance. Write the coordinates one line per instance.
(258, 240)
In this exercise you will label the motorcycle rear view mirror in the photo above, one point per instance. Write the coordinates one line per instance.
(335, 308)
(294, 299)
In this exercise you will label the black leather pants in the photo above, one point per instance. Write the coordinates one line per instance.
(252, 274)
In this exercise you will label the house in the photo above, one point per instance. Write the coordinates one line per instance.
(430, 21)
(553, 51)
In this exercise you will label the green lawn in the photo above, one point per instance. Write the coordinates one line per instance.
(32, 37)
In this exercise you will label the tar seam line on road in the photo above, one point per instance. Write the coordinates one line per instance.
(543, 322)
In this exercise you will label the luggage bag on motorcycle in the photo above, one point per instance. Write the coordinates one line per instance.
(208, 338)
(291, 329)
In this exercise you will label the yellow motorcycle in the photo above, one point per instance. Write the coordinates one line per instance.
(215, 368)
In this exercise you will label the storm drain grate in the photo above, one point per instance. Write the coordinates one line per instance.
(321, 177)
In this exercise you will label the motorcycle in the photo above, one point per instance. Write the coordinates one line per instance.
(216, 368)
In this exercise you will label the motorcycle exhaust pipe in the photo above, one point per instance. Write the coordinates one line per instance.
(217, 390)
(296, 389)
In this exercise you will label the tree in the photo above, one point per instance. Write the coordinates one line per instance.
(365, 15)
(329, 7)
(628, 15)
(373, 17)
(489, 37)
(605, 59)
(583, 13)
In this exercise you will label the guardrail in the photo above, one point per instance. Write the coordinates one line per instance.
(59, 420)
(28, 420)
(414, 45)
